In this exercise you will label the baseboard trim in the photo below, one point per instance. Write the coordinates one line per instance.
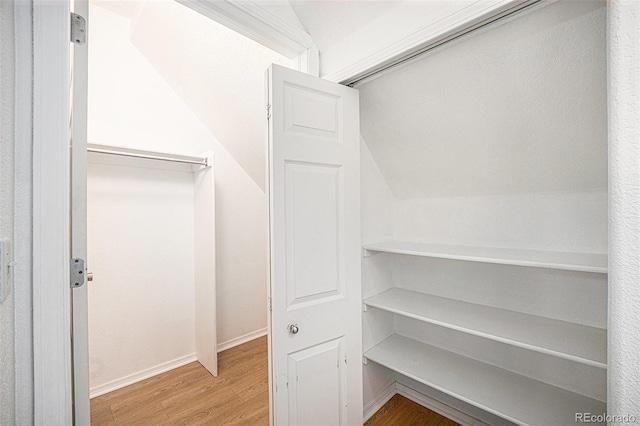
(383, 397)
(437, 406)
(142, 375)
(242, 339)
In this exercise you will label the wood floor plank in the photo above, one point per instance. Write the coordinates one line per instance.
(254, 411)
(402, 411)
(203, 412)
(132, 413)
(205, 396)
(101, 415)
(239, 359)
(252, 385)
(260, 343)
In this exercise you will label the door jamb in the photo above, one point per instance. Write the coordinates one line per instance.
(52, 387)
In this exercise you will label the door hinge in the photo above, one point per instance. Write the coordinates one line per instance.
(270, 308)
(78, 29)
(268, 111)
(76, 272)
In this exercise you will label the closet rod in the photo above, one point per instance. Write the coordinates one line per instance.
(150, 155)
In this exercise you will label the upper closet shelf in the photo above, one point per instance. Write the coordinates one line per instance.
(584, 262)
(148, 155)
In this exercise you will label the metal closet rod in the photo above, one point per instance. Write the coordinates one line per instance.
(149, 155)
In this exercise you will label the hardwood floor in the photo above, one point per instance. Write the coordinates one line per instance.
(402, 411)
(189, 395)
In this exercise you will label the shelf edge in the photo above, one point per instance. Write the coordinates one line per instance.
(371, 250)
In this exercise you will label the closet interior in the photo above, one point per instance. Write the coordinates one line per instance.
(484, 223)
(178, 259)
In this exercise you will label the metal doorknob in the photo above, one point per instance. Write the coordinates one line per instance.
(293, 328)
(89, 276)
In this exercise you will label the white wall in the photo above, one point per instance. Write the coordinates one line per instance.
(23, 232)
(132, 104)
(562, 221)
(7, 86)
(141, 250)
(376, 225)
(500, 139)
(519, 108)
(624, 261)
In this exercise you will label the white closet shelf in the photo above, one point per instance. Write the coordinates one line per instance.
(511, 396)
(570, 261)
(575, 342)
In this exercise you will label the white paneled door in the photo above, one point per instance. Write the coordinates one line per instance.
(314, 211)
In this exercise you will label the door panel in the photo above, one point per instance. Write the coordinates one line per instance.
(314, 211)
(316, 385)
(313, 198)
(312, 113)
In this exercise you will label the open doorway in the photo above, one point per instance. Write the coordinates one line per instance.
(166, 79)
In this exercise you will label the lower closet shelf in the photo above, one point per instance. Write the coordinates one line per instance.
(511, 396)
(575, 342)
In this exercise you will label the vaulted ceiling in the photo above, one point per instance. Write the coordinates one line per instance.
(217, 72)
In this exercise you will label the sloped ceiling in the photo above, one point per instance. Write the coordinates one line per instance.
(217, 72)
(519, 108)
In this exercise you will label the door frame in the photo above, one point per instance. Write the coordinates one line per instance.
(52, 385)
(52, 390)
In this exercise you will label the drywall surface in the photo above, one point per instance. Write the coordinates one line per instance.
(217, 72)
(23, 250)
(131, 105)
(519, 108)
(347, 32)
(376, 225)
(624, 224)
(377, 200)
(7, 90)
(141, 248)
(561, 221)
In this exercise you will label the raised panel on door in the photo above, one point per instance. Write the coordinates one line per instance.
(314, 210)
(316, 386)
(313, 198)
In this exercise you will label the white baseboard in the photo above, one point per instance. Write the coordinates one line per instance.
(383, 397)
(242, 339)
(144, 374)
(437, 406)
